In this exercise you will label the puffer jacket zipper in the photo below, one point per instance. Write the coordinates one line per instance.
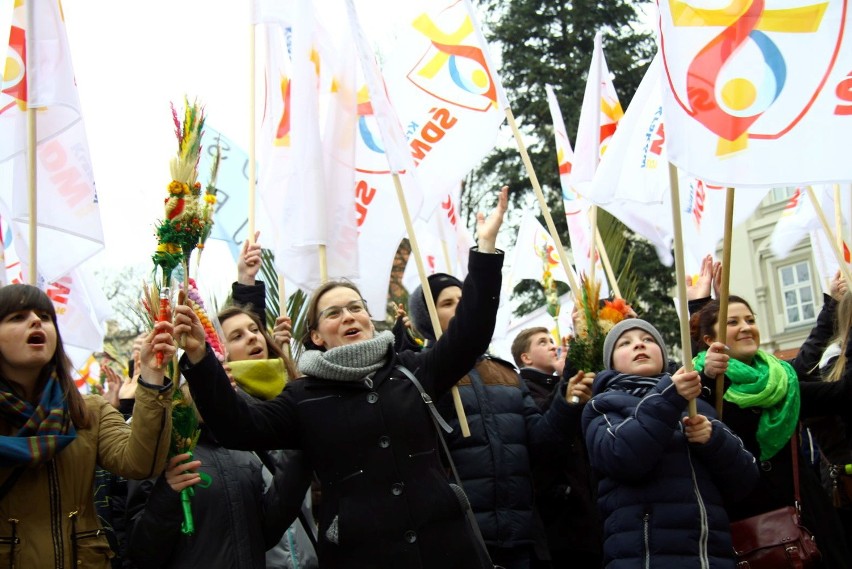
(646, 536)
(705, 529)
(55, 495)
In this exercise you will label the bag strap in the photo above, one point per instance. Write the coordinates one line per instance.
(440, 424)
(794, 447)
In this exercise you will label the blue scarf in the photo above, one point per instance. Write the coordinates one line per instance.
(42, 430)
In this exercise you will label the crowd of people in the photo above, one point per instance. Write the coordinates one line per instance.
(353, 456)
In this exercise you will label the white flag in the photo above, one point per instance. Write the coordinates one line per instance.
(759, 95)
(600, 109)
(799, 218)
(446, 92)
(535, 253)
(69, 222)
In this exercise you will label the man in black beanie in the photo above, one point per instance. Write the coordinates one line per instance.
(508, 431)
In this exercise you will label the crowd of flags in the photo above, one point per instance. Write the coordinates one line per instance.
(346, 139)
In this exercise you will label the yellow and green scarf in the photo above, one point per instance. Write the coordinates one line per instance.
(263, 379)
(771, 385)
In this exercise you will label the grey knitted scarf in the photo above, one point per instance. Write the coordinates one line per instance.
(353, 362)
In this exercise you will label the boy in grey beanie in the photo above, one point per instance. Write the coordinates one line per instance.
(624, 326)
(663, 476)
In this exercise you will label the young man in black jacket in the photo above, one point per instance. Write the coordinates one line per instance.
(564, 489)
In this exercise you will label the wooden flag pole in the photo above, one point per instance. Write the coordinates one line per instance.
(252, 157)
(680, 271)
(545, 210)
(282, 309)
(593, 211)
(427, 294)
(607, 265)
(32, 174)
(838, 254)
(838, 217)
(724, 291)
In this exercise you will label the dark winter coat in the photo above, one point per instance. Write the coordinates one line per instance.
(564, 486)
(372, 443)
(660, 496)
(235, 521)
(775, 489)
(508, 432)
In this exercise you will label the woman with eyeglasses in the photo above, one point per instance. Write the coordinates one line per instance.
(363, 425)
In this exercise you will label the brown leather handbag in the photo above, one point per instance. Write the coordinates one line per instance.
(776, 539)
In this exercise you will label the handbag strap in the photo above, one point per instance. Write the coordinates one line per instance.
(440, 424)
(794, 448)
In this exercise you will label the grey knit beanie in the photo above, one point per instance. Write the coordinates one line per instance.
(624, 326)
(417, 309)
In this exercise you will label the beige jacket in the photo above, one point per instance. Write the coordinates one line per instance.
(48, 519)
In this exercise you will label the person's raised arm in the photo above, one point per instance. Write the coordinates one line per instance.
(236, 424)
(249, 262)
(487, 228)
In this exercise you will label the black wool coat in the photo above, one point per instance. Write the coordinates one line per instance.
(372, 444)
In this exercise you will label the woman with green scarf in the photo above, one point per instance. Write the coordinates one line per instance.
(763, 403)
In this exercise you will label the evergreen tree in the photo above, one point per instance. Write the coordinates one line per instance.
(539, 43)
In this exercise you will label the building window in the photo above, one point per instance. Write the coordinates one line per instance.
(778, 195)
(797, 292)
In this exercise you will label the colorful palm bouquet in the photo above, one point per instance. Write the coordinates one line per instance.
(185, 227)
(585, 346)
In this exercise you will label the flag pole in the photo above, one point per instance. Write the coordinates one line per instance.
(680, 271)
(724, 291)
(593, 210)
(32, 143)
(427, 294)
(838, 254)
(838, 217)
(282, 309)
(607, 265)
(252, 157)
(323, 262)
(444, 249)
(545, 210)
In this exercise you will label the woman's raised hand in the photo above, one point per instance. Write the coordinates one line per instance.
(283, 331)
(716, 361)
(188, 327)
(487, 228)
(249, 262)
(159, 340)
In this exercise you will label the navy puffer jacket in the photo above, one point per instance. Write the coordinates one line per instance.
(507, 431)
(660, 496)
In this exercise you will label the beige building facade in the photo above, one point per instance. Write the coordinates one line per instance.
(785, 294)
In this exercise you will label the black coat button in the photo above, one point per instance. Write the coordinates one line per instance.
(384, 442)
(410, 536)
(372, 397)
(396, 489)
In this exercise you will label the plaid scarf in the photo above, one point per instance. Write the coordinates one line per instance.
(42, 431)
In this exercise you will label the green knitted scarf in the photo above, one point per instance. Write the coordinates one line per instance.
(770, 384)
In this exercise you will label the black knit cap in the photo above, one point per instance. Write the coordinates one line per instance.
(417, 308)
